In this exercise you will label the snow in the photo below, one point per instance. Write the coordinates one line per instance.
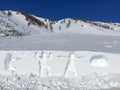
(44, 69)
(70, 71)
(62, 42)
(7, 64)
(67, 54)
(99, 61)
(79, 74)
(86, 82)
(80, 65)
(2, 35)
(18, 21)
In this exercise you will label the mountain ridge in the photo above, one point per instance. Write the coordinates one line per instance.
(17, 23)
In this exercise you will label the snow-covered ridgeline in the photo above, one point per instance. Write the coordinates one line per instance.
(16, 23)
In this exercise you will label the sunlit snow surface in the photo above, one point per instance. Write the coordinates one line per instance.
(63, 42)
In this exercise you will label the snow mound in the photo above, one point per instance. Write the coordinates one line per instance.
(99, 61)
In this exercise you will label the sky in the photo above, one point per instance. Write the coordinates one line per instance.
(98, 10)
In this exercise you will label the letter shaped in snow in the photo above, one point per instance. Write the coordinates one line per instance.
(44, 68)
(7, 65)
(70, 71)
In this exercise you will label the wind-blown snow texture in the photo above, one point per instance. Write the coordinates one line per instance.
(79, 54)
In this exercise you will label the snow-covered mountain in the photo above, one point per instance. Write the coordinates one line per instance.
(16, 23)
(70, 54)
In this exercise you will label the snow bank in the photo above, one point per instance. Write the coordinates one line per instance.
(81, 62)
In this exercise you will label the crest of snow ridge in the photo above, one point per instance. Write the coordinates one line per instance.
(16, 23)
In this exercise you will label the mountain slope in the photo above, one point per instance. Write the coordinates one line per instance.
(16, 23)
(20, 22)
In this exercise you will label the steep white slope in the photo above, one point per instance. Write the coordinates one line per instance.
(21, 22)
